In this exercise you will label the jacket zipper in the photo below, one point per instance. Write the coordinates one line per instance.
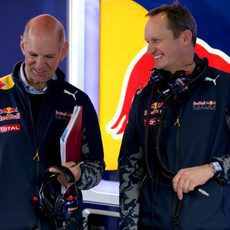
(177, 126)
(36, 157)
(177, 203)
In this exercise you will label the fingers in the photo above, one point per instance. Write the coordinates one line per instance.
(182, 183)
(61, 177)
(54, 170)
(179, 185)
(74, 168)
(69, 164)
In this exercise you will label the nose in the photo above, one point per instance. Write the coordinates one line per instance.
(151, 49)
(40, 62)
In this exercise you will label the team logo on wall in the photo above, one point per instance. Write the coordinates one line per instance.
(125, 66)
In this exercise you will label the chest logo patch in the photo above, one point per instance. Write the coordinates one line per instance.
(63, 115)
(155, 112)
(204, 105)
(9, 113)
(10, 128)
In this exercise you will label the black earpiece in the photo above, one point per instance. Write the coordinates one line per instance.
(172, 87)
(53, 203)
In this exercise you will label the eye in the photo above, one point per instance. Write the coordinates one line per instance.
(33, 55)
(155, 40)
(50, 56)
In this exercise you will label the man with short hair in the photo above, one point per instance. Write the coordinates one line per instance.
(174, 159)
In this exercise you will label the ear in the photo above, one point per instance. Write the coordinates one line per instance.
(187, 37)
(64, 51)
(22, 44)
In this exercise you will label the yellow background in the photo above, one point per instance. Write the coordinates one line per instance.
(122, 24)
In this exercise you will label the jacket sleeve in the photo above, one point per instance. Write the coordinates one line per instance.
(130, 174)
(93, 164)
(224, 160)
(225, 164)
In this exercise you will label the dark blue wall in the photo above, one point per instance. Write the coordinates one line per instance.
(13, 16)
(212, 17)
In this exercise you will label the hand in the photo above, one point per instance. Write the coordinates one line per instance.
(72, 166)
(188, 179)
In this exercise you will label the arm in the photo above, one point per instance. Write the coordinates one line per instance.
(130, 175)
(188, 179)
(89, 172)
(93, 165)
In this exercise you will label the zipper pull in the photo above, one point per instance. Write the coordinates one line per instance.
(36, 157)
(177, 122)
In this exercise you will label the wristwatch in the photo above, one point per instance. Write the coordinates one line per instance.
(216, 168)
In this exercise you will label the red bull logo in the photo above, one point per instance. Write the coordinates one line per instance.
(8, 110)
(204, 105)
(9, 113)
(142, 66)
(125, 67)
(2, 84)
(156, 105)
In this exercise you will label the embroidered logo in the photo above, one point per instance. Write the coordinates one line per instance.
(2, 84)
(10, 128)
(8, 110)
(204, 105)
(63, 115)
(9, 113)
(212, 80)
(155, 111)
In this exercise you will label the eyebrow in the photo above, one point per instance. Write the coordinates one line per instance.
(49, 54)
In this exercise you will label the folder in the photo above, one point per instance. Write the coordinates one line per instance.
(71, 139)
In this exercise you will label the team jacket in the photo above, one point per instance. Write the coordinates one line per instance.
(21, 170)
(196, 132)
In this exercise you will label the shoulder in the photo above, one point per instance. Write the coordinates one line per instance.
(6, 82)
(81, 97)
(71, 91)
(217, 77)
(143, 90)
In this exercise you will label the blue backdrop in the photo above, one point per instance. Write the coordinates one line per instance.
(212, 17)
(13, 16)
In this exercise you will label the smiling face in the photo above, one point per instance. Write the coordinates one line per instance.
(43, 51)
(166, 50)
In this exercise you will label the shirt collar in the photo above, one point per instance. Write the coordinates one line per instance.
(30, 89)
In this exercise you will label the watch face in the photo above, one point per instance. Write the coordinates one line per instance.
(216, 166)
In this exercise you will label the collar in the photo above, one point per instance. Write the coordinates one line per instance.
(30, 89)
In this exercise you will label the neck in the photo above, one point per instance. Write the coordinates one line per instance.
(190, 67)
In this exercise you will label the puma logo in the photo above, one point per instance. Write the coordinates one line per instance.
(211, 79)
(72, 94)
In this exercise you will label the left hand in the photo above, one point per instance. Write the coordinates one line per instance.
(72, 166)
(188, 179)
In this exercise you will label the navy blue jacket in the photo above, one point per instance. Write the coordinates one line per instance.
(200, 137)
(20, 173)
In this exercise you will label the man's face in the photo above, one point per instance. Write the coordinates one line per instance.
(162, 45)
(42, 56)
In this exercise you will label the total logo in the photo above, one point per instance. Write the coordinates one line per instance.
(10, 128)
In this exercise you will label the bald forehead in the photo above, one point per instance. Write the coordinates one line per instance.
(46, 25)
